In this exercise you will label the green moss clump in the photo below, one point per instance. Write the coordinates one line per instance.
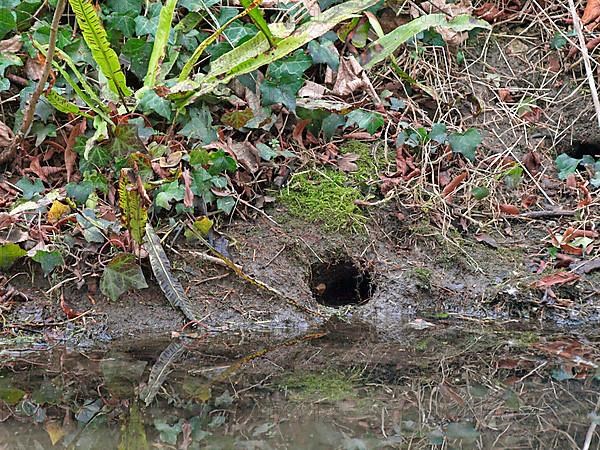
(331, 385)
(327, 196)
(368, 168)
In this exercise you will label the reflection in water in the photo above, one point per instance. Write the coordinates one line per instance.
(461, 387)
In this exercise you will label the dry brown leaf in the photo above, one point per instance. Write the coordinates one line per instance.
(188, 196)
(6, 135)
(510, 210)
(591, 12)
(349, 77)
(12, 45)
(70, 155)
(312, 90)
(246, 154)
(451, 10)
(57, 211)
(555, 279)
(346, 162)
(33, 69)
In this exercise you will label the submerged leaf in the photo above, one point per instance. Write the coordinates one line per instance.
(161, 370)
(120, 275)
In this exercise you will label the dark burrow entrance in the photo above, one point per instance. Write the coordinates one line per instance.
(582, 149)
(340, 282)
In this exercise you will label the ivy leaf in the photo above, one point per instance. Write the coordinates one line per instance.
(465, 143)
(200, 126)
(367, 120)
(226, 204)
(438, 133)
(281, 91)
(168, 193)
(324, 52)
(7, 22)
(330, 125)
(120, 275)
(138, 52)
(48, 260)
(566, 165)
(292, 67)
(168, 433)
(30, 188)
(221, 162)
(9, 253)
(80, 191)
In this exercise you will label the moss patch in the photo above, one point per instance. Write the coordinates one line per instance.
(327, 196)
(329, 385)
(368, 166)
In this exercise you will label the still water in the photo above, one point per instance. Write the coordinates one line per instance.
(439, 384)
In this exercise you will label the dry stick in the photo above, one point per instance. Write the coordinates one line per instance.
(10, 152)
(586, 59)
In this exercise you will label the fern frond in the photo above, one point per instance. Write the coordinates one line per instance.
(96, 39)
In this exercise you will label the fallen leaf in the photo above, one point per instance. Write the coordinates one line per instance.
(486, 239)
(55, 431)
(312, 90)
(188, 195)
(346, 162)
(588, 266)
(6, 135)
(33, 69)
(70, 155)
(246, 154)
(591, 13)
(12, 45)
(349, 78)
(510, 210)
(453, 185)
(556, 279)
(57, 211)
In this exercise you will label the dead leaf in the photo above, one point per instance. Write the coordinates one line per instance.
(6, 220)
(349, 78)
(171, 161)
(6, 135)
(452, 10)
(588, 266)
(33, 69)
(188, 196)
(453, 185)
(591, 13)
(556, 279)
(57, 211)
(70, 155)
(346, 162)
(246, 154)
(55, 431)
(486, 239)
(312, 90)
(505, 95)
(510, 210)
(12, 45)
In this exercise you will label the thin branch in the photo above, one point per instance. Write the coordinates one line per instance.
(10, 152)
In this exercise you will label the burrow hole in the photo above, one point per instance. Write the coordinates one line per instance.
(581, 149)
(340, 282)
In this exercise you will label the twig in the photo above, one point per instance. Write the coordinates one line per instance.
(586, 59)
(10, 152)
(590, 433)
(547, 213)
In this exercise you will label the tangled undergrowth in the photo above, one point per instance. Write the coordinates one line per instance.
(177, 114)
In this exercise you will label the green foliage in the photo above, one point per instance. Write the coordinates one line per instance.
(370, 121)
(160, 42)
(120, 275)
(134, 214)
(566, 165)
(30, 188)
(465, 143)
(9, 254)
(48, 260)
(97, 40)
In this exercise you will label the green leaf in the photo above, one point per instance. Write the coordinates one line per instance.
(465, 143)
(137, 52)
(438, 133)
(290, 67)
(168, 433)
(8, 22)
(324, 53)
(11, 395)
(367, 120)
(97, 40)
(221, 162)
(9, 253)
(386, 45)
(281, 91)
(464, 431)
(63, 105)
(160, 43)
(152, 102)
(566, 165)
(168, 193)
(256, 15)
(134, 214)
(80, 191)
(558, 41)
(120, 275)
(48, 260)
(226, 204)
(480, 192)
(200, 126)
(30, 188)
(330, 125)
